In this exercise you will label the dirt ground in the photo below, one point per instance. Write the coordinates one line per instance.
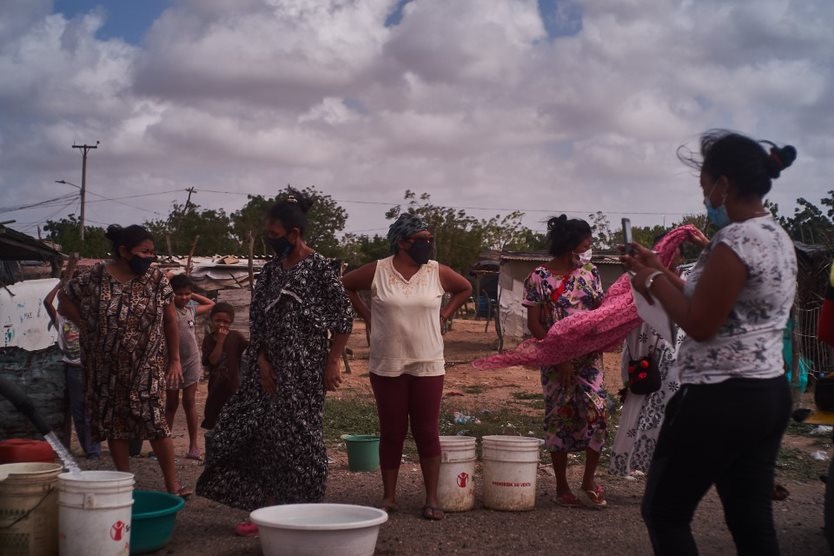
(205, 527)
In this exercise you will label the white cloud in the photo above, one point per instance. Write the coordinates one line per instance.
(468, 100)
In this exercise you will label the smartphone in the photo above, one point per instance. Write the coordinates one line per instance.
(628, 239)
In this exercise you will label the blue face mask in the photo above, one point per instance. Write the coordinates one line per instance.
(717, 215)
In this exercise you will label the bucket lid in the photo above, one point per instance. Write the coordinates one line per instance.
(28, 469)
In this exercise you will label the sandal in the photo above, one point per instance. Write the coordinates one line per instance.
(388, 507)
(183, 492)
(433, 514)
(567, 500)
(596, 498)
(246, 529)
(194, 454)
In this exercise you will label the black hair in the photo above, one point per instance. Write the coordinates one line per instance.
(565, 235)
(128, 237)
(291, 211)
(181, 281)
(744, 161)
(223, 307)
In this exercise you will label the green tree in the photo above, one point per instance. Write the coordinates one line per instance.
(357, 250)
(458, 237)
(810, 223)
(185, 224)
(326, 219)
(66, 233)
(604, 238)
(507, 232)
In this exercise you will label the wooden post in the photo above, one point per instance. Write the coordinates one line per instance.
(191, 254)
(251, 262)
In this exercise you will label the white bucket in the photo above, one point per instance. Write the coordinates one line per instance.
(456, 487)
(317, 529)
(94, 513)
(28, 509)
(510, 467)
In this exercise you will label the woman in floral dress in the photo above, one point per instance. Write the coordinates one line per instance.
(124, 310)
(267, 446)
(573, 390)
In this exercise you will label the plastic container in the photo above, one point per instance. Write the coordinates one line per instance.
(24, 450)
(317, 529)
(363, 451)
(456, 487)
(510, 467)
(152, 520)
(29, 508)
(94, 513)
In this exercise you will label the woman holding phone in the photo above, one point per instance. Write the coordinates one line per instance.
(725, 424)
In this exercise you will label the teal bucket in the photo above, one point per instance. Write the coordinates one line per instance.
(154, 515)
(363, 451)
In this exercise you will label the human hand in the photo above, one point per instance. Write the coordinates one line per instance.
(268, 382)
(173, 376)
(332, 375)
(640, 258)
(221, 332)
(699, 239)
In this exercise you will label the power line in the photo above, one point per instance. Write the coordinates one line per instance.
(40, 204)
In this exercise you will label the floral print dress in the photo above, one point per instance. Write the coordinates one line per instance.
(642, 415)
(574, 415)
(123, 352)
(269, 449)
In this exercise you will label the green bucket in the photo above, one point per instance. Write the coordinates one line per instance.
(152, 521)
(363, 451)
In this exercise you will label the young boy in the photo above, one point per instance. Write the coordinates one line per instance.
(222, 350)
(189, 306)
(68, 341)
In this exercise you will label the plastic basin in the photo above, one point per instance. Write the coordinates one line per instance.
(363, 451)
(24, 450)
(153, 518)
(317, 529)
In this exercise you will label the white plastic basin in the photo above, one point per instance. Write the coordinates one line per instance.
(316, 529)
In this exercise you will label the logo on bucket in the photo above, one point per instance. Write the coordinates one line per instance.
(463, 478)
(118, 529)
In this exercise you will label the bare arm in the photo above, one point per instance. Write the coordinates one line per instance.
(333, 371)
(713, 299)
(217, 353)
(458, 286)
(49, 303)
(355, 281)
(172, 339)
(68, 308)
(534, 322)
(204, 304)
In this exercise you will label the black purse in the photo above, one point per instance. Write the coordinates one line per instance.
(643, 373)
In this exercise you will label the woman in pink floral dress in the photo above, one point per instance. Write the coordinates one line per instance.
(573, 390)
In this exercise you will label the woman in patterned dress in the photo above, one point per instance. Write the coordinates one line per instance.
(268, 445)
(129, 346)
(574, 394)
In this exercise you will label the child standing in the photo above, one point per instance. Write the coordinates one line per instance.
(222, 350)
(69, 342)
(189, 306)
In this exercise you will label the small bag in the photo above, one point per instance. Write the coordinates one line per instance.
(643, 373)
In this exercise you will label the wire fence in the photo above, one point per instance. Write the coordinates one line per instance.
(817, 357)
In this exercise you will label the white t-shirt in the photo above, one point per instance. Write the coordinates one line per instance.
(405, 322)
(749, 344)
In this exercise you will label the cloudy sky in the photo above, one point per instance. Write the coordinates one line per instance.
(546, 106)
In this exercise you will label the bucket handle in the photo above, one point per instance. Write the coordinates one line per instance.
(29, 512)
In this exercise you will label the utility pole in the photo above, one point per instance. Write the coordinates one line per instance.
(84, 149)
(188, 200)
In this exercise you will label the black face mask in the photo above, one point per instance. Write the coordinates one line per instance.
(281, 246)
(420, 251)
(140, 265)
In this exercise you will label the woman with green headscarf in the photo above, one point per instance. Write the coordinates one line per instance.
(406, 364)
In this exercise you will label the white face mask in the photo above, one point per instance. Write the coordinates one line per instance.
(585, 256)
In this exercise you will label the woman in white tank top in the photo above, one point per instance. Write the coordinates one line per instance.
(406, 361)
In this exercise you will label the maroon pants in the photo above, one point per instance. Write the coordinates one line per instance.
(399, 399)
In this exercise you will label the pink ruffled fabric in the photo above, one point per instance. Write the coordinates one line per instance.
(602, 329)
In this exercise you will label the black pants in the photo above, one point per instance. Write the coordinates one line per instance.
(725, 434)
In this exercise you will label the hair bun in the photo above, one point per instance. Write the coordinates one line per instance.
(557, 223)
(779, 159)
(299, 199)
(114, 232)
